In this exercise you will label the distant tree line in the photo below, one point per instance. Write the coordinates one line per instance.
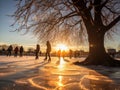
(71, 53)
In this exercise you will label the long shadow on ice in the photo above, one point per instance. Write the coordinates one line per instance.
(6, 63)
(8, 82)
(24, 73)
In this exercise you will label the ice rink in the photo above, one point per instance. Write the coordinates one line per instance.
(26, 73)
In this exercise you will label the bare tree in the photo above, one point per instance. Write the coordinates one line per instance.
(70, 19)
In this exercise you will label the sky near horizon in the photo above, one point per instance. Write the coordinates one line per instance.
(7, 7)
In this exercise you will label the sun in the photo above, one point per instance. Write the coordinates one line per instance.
(61, 47)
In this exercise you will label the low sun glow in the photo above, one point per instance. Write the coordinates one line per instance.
(61, 47)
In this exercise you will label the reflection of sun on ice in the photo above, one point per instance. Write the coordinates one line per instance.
(62, 64)
(60, 81)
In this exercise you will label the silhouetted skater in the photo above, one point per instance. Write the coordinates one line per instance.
(59, 53)
(63, 53)
(48, 50)
(3, 51)
(70, 53)
(9, 50)
(21, 51)
(37, 51)
(16, 51)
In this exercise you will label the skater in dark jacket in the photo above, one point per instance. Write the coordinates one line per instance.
(21, 51)
(48, 50)
(37, 50)
(9, 50)
(16, 51)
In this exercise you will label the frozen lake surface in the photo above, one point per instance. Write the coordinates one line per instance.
(26, 73)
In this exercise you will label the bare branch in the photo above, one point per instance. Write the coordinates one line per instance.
(108, 27)
(104, 3)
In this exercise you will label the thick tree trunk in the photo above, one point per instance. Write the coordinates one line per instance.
(97, 54)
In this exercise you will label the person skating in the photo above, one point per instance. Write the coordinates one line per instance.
(16, 51)
(48, 50)
(37, 51)
(9, 50)
(21, 51)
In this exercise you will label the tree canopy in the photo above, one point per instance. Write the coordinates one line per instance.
(68, 19)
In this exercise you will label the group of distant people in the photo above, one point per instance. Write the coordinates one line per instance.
(16, 50)
(48, 50)
(61, 53)
(20, 50)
